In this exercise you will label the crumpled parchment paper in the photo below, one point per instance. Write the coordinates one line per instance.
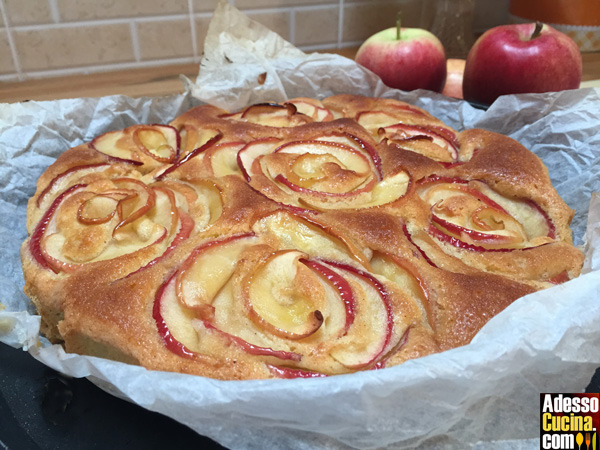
(482, 394)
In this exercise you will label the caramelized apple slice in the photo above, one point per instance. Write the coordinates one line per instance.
(133, 206)
(386, 191)
(160, 142)
(311, 236)
(99, 209)
(81, 227)
(510, 232)
(280, 296)
(185, 230)
(311, 108)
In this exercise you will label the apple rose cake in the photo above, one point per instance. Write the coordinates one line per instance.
(301, 239)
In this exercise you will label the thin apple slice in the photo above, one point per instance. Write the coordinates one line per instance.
(53, 243)
(322, 167)
(58, 182)
(282, 296)
(373, 120)
(98, 209)
(435, 142)
(472, 212)
(390, 189)
(412, 241)
(311, 236)
(370, 150)
(192, 137)
(160, 142)
(274, 114)
(115, 144)
(362, 349)
(250, 348)
(469, 236)
(165, 309)
(133, 207)
(35, 240)
(185, 230)
(180, 331)
(406, 276)
(250, 152)
(194, 153)
(207, 270)
(343, 288)
(221, 159)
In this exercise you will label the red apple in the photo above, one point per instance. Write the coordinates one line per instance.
(455, 69)
(520, 58)
(405, 58)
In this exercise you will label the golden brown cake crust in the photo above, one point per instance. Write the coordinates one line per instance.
(300, 239)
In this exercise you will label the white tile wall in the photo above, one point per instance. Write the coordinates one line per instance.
(46, 38)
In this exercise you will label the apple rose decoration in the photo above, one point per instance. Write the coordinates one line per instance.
(470, 214)
(290, 292)
(146, 146)
(101, 216)
(297, 111)
(330, 171)
(404, 126)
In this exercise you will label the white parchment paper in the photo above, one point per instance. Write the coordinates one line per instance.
(482, 394)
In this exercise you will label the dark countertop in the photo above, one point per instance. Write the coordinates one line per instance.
(41, 409)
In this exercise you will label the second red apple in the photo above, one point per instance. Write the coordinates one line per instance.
(521, 58)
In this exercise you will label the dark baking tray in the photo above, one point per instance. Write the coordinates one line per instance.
(41, 409)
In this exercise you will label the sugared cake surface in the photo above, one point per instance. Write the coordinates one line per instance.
(301, 239)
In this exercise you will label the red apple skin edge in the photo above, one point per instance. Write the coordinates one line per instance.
(506, 60)
(416, 61)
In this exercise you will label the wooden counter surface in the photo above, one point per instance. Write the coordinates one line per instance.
(158, 81)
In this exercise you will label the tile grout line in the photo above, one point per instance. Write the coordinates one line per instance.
(292, 29)
(192, 28)
(135, 42)
(54, 12)
(340, 34)
(100, 68)
(11, 41)
(98, 22)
